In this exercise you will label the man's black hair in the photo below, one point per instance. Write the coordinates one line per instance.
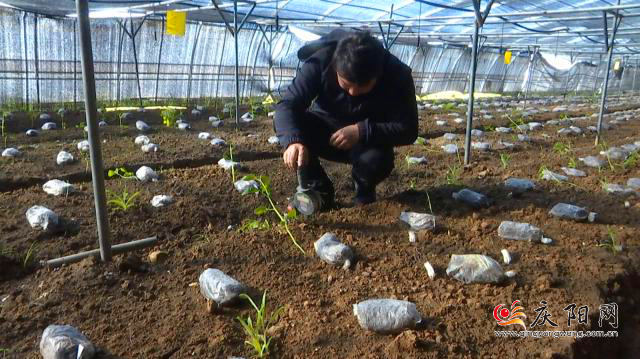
(359, 58)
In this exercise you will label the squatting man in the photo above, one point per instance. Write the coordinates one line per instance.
(352, 101)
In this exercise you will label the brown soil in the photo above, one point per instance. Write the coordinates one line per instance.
(152, 311)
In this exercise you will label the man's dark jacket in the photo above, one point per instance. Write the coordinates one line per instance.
(386, 116)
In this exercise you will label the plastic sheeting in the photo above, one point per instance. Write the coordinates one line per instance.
(436, 68)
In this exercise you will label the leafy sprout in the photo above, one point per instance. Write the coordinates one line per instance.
(504, 160)
(121, 172)
(611, 244)
(170, 117)
(257, 329)
(122, 201)
(561, 148)
(29, 255)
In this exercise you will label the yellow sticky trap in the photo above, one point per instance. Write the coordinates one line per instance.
(418, 98)
(507, 57)
(176, 22)
(268, 100)
(616, 65)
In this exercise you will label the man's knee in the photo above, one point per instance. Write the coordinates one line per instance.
(373, 164)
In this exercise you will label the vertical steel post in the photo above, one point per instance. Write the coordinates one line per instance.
(75, 67)
(26, 60)
(36, 58)
(472, 86)
(595, 80)
(97, 169)
(235, 42)
(193, 54)
(119, 65)
(135, 60)
(159, 59)
(635, 73)
(609, 44)
(527, 84)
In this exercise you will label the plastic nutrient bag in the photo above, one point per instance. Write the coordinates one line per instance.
(523, 138)
(184, 126)
(473, 199)
(634, 183)
(227, 164)
(519, 231)
(519, 185)
(441, 123)
(45, 117)
(615, 153)
(593, 161)
(219, 287)
(534, 126)
(49, 126)
(204, 135)
(475, 268)
(477, 133)
(65, 342)
(450, 136)
(273, 140)
(32, 133)
(458, 120)
(127, 116)
(418, 221)
(450, 148)
(142, 140)
(503, 129)
(569, 211)
(161, 200)
(213, 119)
(386, 316)
(196, 113)
(619, 190)
(64, 158)
(102, 123)
(574, 172)
(332, 251)
(245, 186)
(57, 187)
(11, 152)
(552, 176)
(218, 142)
(415, 160)
(83, 146)
(481, 146)
(142, 126)
(43, 218)
(247, 117)
(146, 174)
(149, 147)
(217, 123)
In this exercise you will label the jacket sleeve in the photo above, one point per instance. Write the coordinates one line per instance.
(401, 126)
(291, 109)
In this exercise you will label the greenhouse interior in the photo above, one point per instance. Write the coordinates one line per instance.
(319, 179)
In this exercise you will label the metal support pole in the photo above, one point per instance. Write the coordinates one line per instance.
(159, 59)
(119, 66)
(97, 168)
(235, 45)
(115, 249)
(472, 86)
(595, 80)
(609, 45)
(193, 54)
(635, 73)
(26, 60)
(75, 67)
(135, 58)
(532, 56)
(36, 58)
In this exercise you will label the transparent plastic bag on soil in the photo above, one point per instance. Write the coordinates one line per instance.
(519, 231)
(142, 126)
(64, 158)
(142, 140)
(83, 146)
(519, 185)
(418, 221)
(574, 172)
(473, 199)
(219, 287)
(11, 152)
(244, 186)
(42, 217)
(146, 174)
(633, 183)
(593, 161)
(569, 211)
(475, 268)
(332, 251)
(162, 200)
(57, 187)
(386, 316)
(552, 176)
(149, 148)
(65, 342)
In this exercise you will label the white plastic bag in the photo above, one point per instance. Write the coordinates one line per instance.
(43, 218)
(475, 268)
(149, 147)
(49, 126)
(11, 152)
(57, 187)
(332, 251)
(64, 158)
(161, 200)
(83, 146)
(142, 126)
(273, 140)
(245, 186)
(227, 164)
(418, 221)
(218, 142)
(32, 133)
(142, 140)
(219, 287)
(204, 135)
(65, 342)
(386, 316)
(146, 174)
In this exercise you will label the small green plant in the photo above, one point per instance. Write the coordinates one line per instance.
(631, 160)
(421, 141)
(257, 329)
(264, 188)
(229, 157)
(121, 172)
(452, 176)
(448, 107)
(541, 171)
(170, 117)
(254, 225)
(490, 128)
(29, 255)
(572, 163)
(429, 202)
(561, 148)
(611, 244)
(504, 160)
(81, 125)
(515, 123)
(122, 201)
(412, 184)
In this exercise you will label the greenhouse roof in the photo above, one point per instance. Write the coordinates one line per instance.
(553, 25)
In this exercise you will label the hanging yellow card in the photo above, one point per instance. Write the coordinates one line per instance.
(507, 57)
(176, 22)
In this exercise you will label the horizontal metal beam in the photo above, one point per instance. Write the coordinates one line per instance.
(115, 249)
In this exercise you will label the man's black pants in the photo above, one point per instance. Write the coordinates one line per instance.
(370, 164)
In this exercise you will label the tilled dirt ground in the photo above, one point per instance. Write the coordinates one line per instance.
(138, 310)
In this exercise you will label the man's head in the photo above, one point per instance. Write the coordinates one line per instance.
(358, 62)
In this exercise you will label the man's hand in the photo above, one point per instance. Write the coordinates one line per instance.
(346, 137)
(296, 156)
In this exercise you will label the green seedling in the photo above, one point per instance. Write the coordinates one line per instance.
(81, 125)
(452, 177)
(254, 225)
(611, 244)
(572, 163)
(421, 141)
(170, 117)
(561, 148)
(429, 202)
(121, 172)
(541, 171)
(448, 107)
(490, 128)
(257, 329)
(122, 201)
(631, 161)
(264, 188)
(29, 255)
(229, 157)
(515, 123)
(412, 184)
(504, 160)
